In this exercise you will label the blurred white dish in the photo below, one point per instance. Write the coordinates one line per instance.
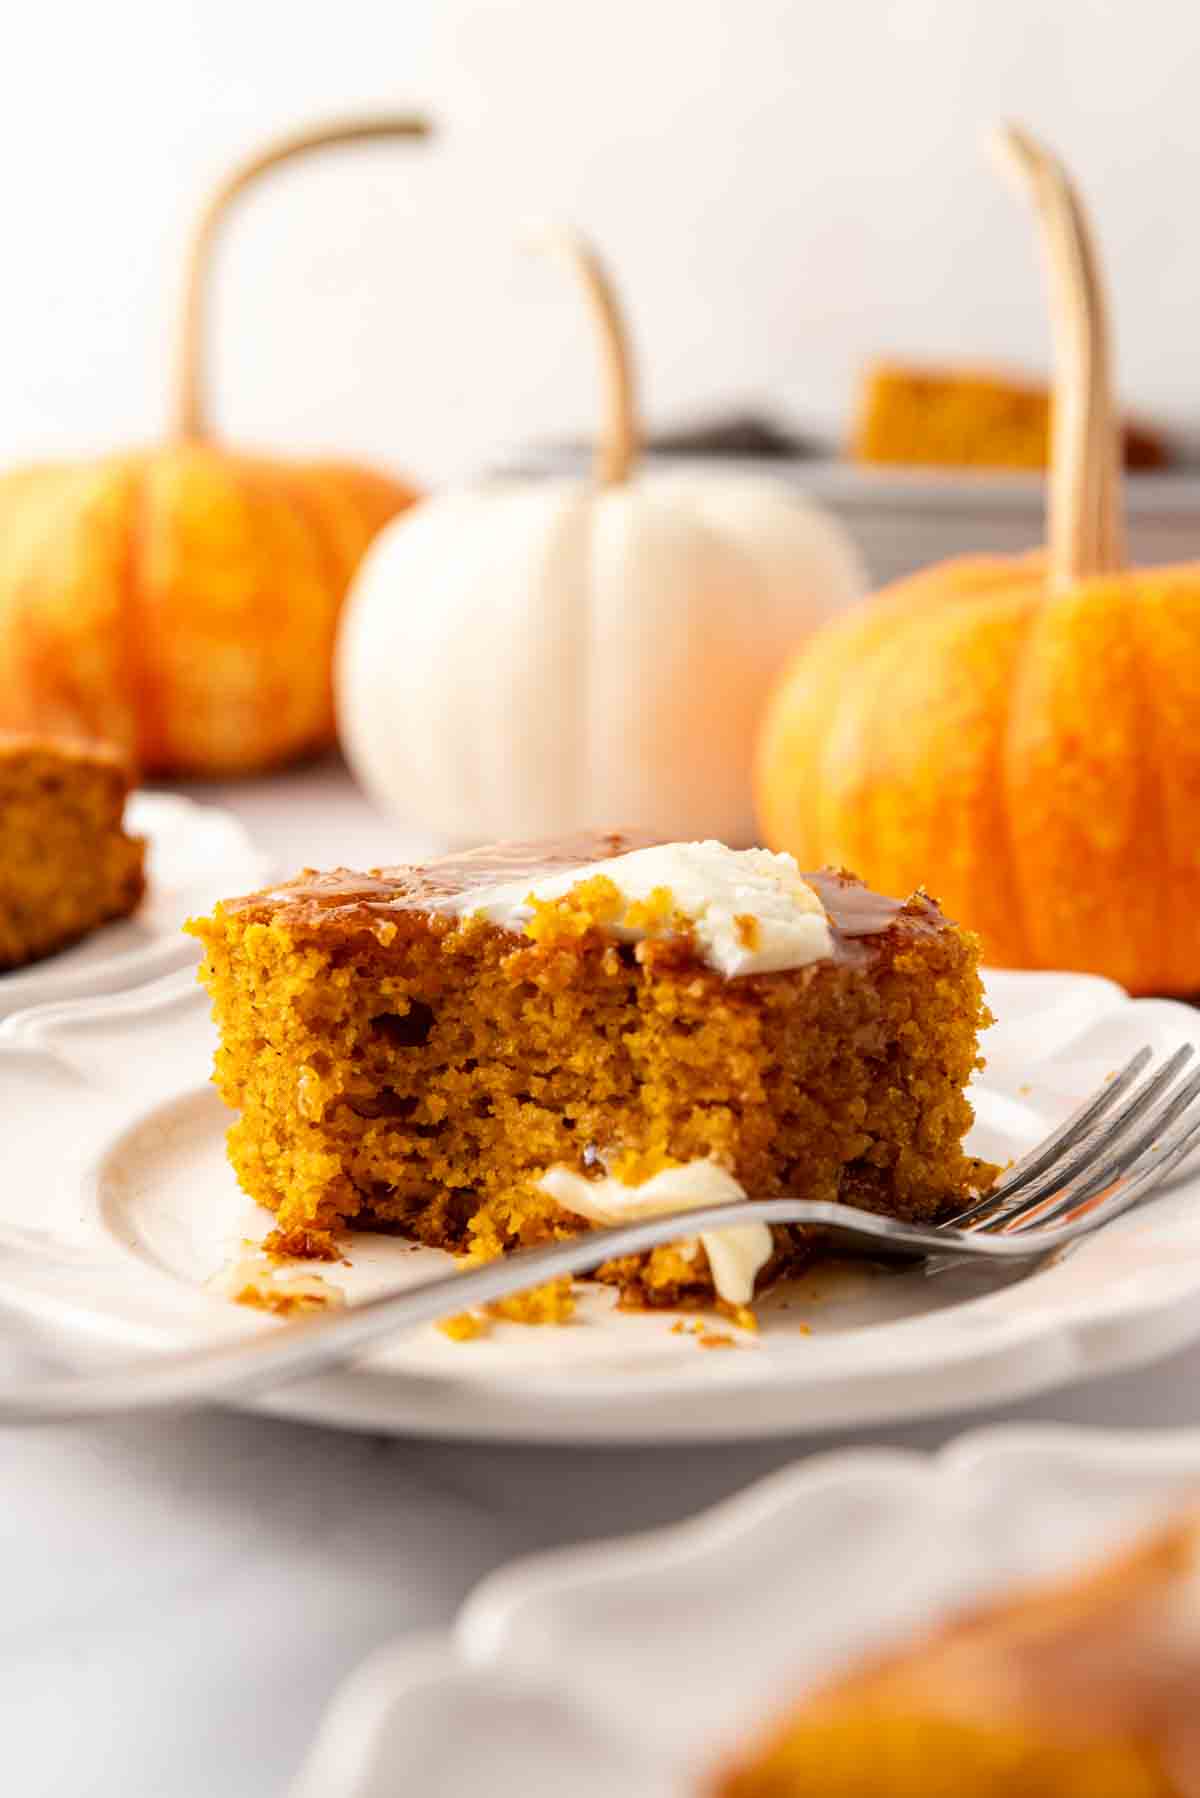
(137, 1209)
(633, 1666)
(195, 855)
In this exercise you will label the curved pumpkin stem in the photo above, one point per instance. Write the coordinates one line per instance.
(191, 415)
(1085, 530)
(620, 440)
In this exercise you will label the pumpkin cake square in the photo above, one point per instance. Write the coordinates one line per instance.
(502, 1047)
(969, 417)
(1083, 1687)
(67, 864)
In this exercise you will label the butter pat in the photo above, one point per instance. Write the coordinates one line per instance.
(749, 910)
(735, 1256)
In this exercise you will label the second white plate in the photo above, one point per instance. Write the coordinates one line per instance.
(110, 1229)
(637, 1665)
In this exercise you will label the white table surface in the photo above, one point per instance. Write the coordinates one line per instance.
(181, 1598)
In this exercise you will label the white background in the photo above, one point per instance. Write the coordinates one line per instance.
(782, 186)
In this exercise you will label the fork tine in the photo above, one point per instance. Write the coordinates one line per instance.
(1124, 1151)
(1086, 1145)
(1137, 1184)
(1049, 1150)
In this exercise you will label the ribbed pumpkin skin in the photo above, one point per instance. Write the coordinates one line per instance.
(1030, 758)
(181, 603)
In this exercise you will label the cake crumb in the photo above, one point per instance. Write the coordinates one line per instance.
(464, 1326)
(302, 1244)
(589, 906)
(704, 1335)
(253, 1281)
(656, 914)
(551, 1303)
(594, 905)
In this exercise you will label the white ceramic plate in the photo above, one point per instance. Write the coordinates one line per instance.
(118, 1206)
(195, 854)
(635, 1666)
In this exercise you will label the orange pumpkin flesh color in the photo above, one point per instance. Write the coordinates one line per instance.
(182, 602)
(1018, 734)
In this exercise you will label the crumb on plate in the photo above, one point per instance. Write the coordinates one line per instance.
(255, 1282)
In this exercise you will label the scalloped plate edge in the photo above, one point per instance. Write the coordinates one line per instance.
(383, 1708)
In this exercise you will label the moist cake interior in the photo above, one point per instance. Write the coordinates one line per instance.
(393, 1064)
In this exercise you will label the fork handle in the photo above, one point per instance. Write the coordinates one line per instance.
(252, 1364)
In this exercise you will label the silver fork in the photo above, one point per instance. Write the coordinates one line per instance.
(1105, 1159)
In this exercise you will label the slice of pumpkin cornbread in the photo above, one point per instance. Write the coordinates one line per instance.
(66, 862)
(400, 1058)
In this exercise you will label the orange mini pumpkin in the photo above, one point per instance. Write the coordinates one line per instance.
(1018, 734)
(182, 601)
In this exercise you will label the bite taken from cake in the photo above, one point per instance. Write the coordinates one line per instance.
(517, 1043)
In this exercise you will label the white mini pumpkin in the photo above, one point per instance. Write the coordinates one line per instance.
(531, 657)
